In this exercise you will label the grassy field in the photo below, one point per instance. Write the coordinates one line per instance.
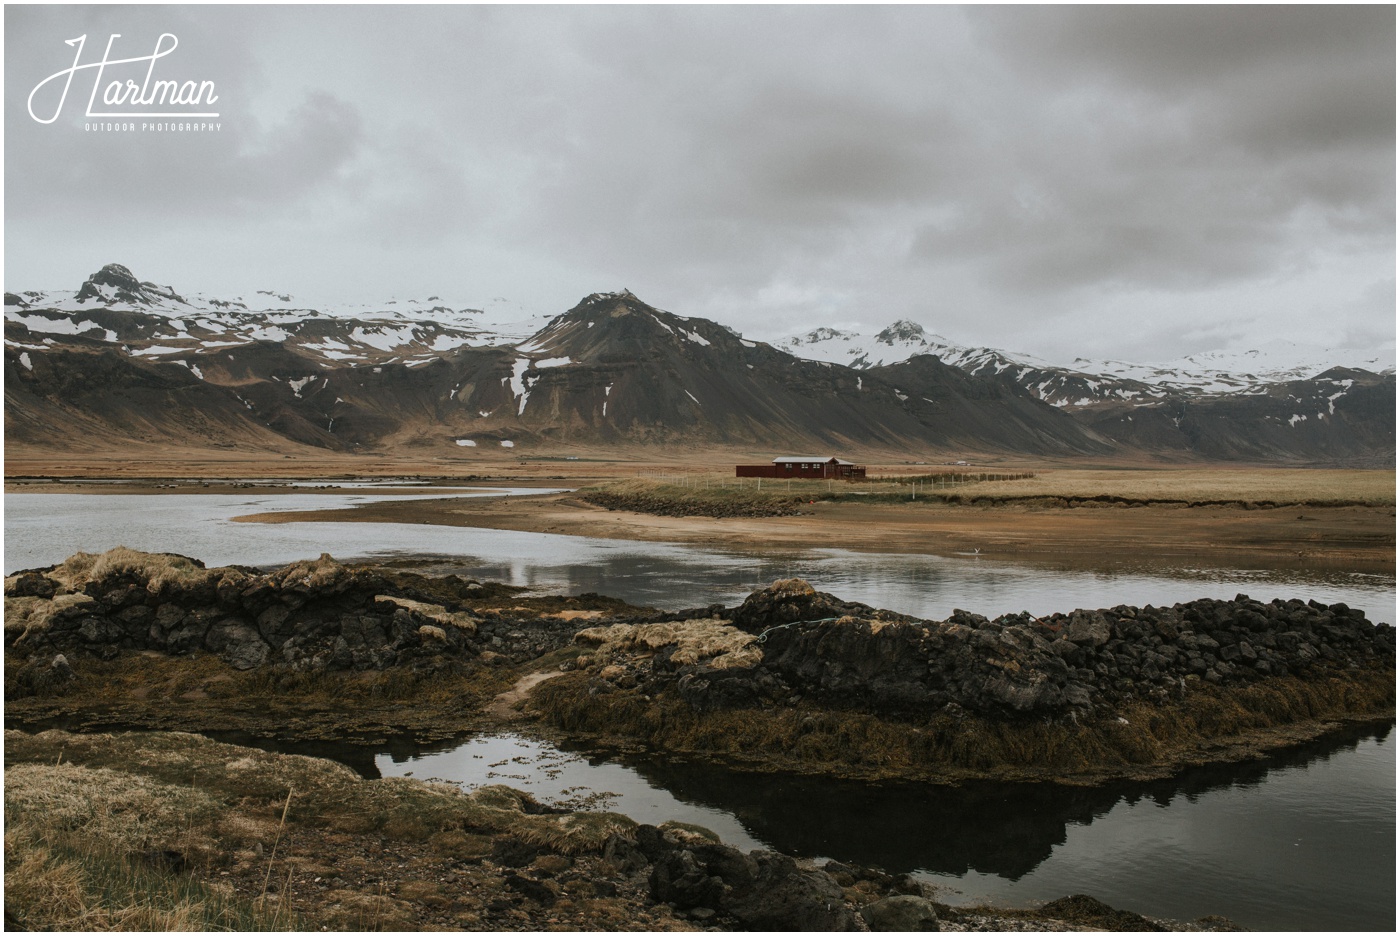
(156, 831)
(1339, 487)
(717, 494)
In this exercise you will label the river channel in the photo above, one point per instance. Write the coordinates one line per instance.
(1301, 840)
(44, 529)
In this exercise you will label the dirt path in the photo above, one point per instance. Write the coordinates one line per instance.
(503, 707)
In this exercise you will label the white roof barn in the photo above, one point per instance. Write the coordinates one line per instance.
(810, 460)
(803, 466)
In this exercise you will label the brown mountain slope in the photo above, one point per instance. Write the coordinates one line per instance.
(612, 371)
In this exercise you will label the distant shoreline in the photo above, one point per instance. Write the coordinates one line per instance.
(1089, 517)
(1285, 535)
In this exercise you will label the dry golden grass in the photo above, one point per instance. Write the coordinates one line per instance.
(58, 887)
(1254, 486)
(433, 612)
(89, 816)
(116, 811)
(710, 641)
(124, 775)
(156, 569)
(28, 615)
(75, 845)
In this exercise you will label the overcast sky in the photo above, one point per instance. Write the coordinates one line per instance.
(1129, 182)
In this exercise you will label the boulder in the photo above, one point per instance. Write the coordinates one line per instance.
(1088, 628)
(903, 913)
(788, 601)
(786, 897)
(237, 642)
(31, 585)
(678, 878)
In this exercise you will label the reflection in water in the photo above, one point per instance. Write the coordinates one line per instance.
(1302, 839)
(43, 529)
(674, 577)
(1005, 829)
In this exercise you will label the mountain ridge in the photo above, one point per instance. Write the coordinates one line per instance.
(1207, 372)
(613, 370)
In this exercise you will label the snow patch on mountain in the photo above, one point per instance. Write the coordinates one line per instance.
(120, 309)
(1085, 382)
(298, 383)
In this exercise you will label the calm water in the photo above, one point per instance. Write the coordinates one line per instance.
(1303, 840)
(1300, 841)
(43, 529)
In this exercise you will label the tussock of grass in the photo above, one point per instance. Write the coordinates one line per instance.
(28, 615)
(53, 885)
(313, 574)
(125, 774)
(434, 612)
(75, 838)
(118, 812)
(89, 817)
(157, 569)
(572, 833)
(711, 641)
(689, 833)
(949, 746)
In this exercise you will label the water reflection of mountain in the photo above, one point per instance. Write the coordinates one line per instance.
(993, 828)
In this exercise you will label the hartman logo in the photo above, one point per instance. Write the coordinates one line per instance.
(127, 90)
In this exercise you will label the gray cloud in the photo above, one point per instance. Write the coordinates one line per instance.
(1012, 176)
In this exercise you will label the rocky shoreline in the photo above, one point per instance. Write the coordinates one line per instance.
(1092, 693)
(273, 841)
(1088, 660)
(785, 641)
(790, 679)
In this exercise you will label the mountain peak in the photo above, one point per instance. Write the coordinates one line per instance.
(624, 299)
(822, 333)
(903, 331)
(115, 283)
(618, 323)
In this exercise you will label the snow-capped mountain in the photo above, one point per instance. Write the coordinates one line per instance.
(138, 362)
(122, 361)
(155, 321)
(898, 342)
(1086, 382)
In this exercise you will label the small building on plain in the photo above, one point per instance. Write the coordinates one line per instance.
(803, 466)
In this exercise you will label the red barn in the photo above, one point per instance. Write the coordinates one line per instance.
(803, 466)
